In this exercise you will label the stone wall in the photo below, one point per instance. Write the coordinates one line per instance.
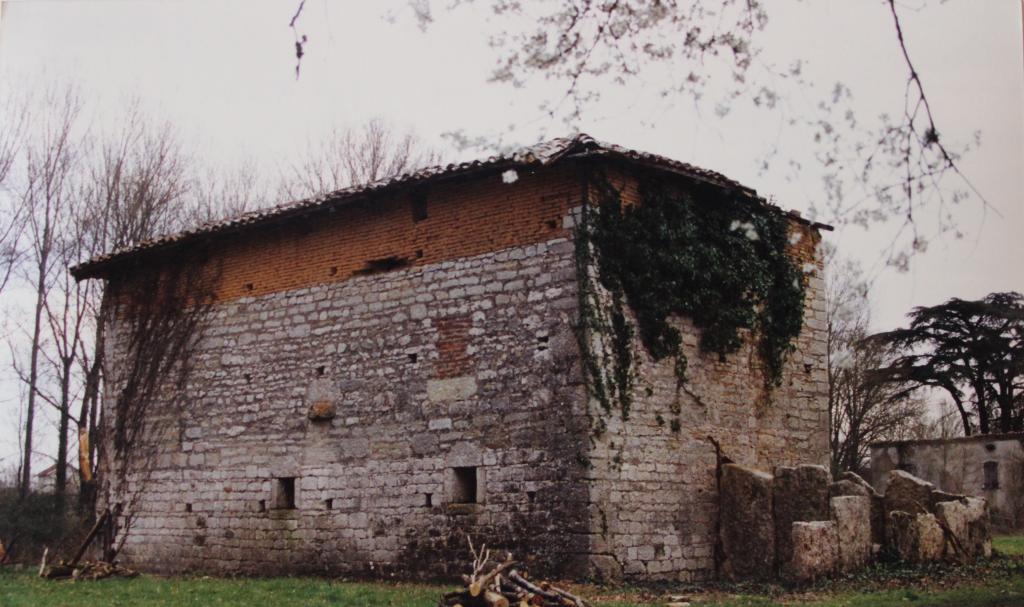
(989, 466)
(654, 503)
(376, 484)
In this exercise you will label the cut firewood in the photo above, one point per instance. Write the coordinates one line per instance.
(86, 570)
(493, 599)
(500, 585)
(475, 588)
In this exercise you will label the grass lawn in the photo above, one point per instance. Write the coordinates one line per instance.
(1012, 545)
(996, 584)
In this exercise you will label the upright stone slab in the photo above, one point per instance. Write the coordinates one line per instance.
(800, 493)
(916, 538)
(941, 496)
(850, 483)
(815, 547)
(953, 514)
(907, 493)
(844, 487)
(979, 527)
(747, 525)
(855, 478)
(852, 517)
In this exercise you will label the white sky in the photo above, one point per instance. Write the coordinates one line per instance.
(223, 72)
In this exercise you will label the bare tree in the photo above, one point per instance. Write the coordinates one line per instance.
(139, 184)
(14, 117)
(51, 160)
(138, 188)
(224, 193)
(710, 54)
(861, 410)
(943, 422)
(355, 156)
(67, 310)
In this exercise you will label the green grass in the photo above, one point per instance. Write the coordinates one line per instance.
(1011, 545)
(999, 594)
(24, 589)
(996, 583)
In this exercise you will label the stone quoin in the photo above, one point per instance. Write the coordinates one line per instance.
(389, 368)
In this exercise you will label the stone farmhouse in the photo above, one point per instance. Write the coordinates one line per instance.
(388, 368)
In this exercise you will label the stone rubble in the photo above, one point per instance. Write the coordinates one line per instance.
(912, 521)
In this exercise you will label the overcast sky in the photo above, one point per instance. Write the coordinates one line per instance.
(223, 72)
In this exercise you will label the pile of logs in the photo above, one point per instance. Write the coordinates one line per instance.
(504, 586)
(86, 570)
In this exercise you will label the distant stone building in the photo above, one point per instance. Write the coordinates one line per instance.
(989, 466)
(46, 480)
(390, 367)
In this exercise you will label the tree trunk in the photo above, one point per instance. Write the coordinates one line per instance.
(33, 373)
(87, 416)
(61, 476)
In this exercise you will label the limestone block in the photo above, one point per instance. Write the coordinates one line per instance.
(800, 493)
(852, 516)
(845, 487)
(916, 538)
(853, 477)
(455, 388)
(979, 527)
(605, 568)
(941, 496)
(907, 493)
(747, 524)
(815, 551)
(850, 483)
(954, 515)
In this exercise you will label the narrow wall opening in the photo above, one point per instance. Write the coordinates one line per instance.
(465, 488)
(284, 493)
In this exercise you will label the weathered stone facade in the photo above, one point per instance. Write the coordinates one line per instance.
(987, 466)
(364, 422)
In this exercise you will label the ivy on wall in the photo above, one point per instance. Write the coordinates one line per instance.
(704, 253)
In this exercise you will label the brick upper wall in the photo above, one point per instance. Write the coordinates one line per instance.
(463, 220)
(380, 233)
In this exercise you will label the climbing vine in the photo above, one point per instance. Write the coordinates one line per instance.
(707, 254)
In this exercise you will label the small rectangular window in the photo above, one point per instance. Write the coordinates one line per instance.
(284, 498)
(465, 485)
(991, 470)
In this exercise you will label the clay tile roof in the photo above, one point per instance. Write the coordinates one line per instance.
(541, 154)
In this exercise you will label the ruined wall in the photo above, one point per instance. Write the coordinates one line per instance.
(990, 466)
(654, 502)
